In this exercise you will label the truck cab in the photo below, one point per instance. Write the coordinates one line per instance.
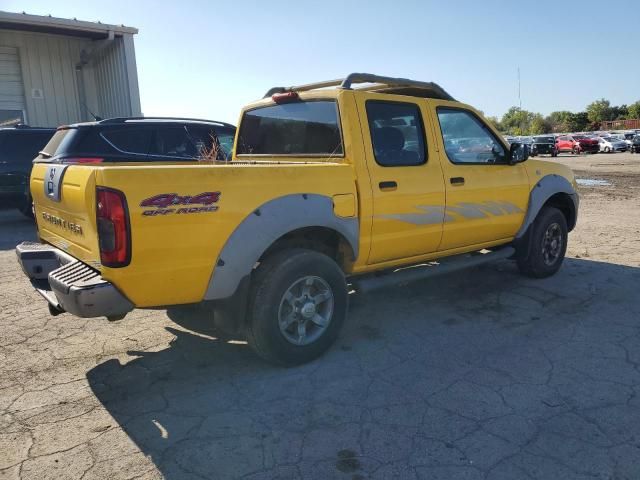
(348, 180)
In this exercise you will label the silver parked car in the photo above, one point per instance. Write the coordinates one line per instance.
(612, 144)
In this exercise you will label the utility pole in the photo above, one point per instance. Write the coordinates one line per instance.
(519, 98)
(520, 103)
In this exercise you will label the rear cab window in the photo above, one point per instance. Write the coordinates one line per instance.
(305, 128)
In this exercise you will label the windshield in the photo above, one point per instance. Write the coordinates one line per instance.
(225, 138)
(300, 128)
(544, 139)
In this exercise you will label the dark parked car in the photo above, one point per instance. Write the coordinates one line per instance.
(635, 144)
(18, 147)
(544, 145)
(140, 140)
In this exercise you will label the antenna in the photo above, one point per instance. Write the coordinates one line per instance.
(95, 117)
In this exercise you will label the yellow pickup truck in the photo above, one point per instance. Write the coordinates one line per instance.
(332, 187)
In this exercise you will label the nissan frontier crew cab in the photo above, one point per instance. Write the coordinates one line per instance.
(337, 182)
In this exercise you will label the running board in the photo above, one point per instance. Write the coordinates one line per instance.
(370, 283)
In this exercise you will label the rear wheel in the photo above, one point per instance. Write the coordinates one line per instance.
(297, 305)
(607, 149)
(547, 244)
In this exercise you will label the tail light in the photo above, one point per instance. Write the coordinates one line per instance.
(114, 231)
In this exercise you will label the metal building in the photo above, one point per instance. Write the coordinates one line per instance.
(55, 71)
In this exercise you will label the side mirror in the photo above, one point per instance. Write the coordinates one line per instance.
(518, 153)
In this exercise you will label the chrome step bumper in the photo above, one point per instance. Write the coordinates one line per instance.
(69, 284)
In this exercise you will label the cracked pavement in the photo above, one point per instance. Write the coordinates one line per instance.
(482, 374)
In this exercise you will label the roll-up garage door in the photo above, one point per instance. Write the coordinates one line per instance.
(12, 106)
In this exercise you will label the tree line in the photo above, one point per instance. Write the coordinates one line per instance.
(522, 122)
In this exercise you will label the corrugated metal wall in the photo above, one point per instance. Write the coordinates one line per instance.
(11, 89)
(48, 63)
(111, 81)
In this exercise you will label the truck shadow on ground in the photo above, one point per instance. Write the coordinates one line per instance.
(439, 359)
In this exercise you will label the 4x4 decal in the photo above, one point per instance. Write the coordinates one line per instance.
(166, 203)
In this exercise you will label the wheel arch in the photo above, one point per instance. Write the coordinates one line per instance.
(564, 203)
(295, 220)
(322, 239)
(554, 190)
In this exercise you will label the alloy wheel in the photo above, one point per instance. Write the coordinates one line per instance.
(552, 244)
(305, 311)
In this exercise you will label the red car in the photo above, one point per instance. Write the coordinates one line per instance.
(577, 144)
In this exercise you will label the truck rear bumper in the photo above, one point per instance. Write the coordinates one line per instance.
(69, 284)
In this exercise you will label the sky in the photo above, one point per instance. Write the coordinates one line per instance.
(207, 59)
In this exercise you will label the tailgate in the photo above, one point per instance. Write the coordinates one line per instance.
(64, 199)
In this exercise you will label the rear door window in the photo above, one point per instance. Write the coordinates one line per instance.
(174, 142)
(135, 140)
(299, 129)
(203, 138)
(397, 134)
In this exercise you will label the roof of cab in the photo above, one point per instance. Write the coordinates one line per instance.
(367, 82)
(376, 83)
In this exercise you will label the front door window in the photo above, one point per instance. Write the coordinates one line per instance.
(467, 140)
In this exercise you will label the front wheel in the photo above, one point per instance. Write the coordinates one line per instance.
(297, 305)
(547, 244)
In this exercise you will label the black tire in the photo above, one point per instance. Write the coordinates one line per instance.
(535, 262)
(270, 282)
(27, 208)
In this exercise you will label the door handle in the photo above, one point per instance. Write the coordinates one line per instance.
(388, 185)
(457, 180)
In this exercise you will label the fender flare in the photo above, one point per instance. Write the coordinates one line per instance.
(266, 224)
(547, 186)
